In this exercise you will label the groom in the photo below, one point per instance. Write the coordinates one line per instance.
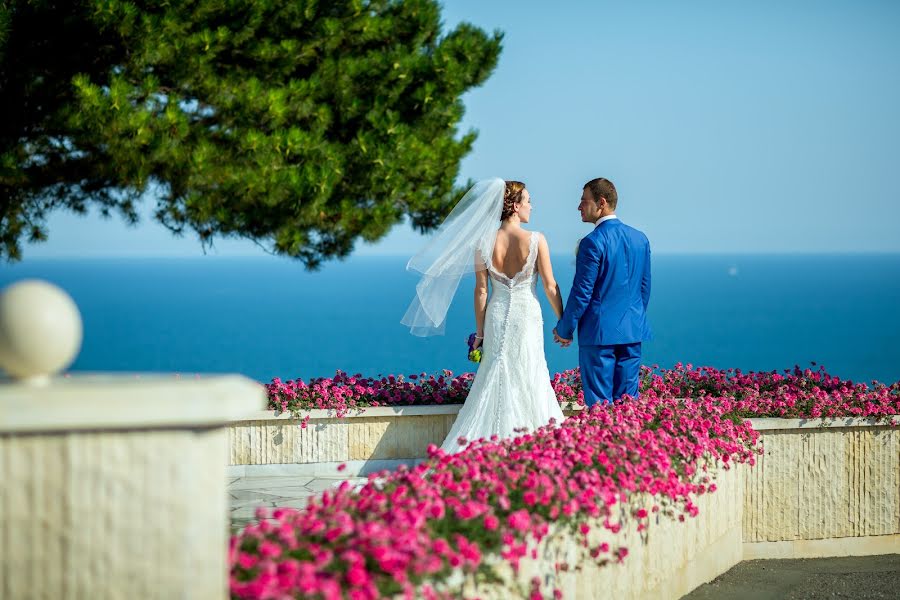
(608, 300)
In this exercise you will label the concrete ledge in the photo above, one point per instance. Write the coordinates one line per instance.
(143, 401)
(846, 546)
(352, 468)
(760, 424)
(769, 424)
(372, 411)
(367, 411)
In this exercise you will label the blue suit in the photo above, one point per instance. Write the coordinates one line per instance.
(608, 304)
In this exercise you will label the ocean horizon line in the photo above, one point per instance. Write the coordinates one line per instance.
(218, 257)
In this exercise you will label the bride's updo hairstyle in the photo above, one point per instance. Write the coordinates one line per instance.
(511, 196)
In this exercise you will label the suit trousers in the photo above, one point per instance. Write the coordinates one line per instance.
(609, 372)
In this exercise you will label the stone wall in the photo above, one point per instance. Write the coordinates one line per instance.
(377, 434)
(85, 513)
(814, 484)
(816, 491)
(114, 487)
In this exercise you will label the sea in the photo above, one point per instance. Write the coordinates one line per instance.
(268, 317)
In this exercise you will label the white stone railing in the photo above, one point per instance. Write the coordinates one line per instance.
(112, 486)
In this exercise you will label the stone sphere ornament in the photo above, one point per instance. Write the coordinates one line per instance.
(40, 330)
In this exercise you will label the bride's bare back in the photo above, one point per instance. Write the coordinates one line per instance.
(515, 250)
(511, 251)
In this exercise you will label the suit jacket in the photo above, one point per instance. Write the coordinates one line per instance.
(611, 290)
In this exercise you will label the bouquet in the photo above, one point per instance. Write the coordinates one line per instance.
(474, 353)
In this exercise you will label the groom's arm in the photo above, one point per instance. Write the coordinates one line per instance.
(587, 265)
(645, 280)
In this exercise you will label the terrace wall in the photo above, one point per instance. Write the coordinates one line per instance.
(820, 488)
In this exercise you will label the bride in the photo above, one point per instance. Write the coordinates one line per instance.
(511, 389)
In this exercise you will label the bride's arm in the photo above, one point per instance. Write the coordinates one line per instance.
(545, 270)
(481, 297)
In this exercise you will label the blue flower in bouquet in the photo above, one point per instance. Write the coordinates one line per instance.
(474, 353)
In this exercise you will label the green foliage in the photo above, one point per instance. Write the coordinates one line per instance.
(302, 125)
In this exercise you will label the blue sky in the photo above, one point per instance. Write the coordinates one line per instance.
(727, 127)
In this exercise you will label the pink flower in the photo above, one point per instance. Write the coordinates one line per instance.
(357, 576)
(491, 522)
(519, 520)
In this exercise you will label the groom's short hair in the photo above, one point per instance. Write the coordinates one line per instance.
(603, 188)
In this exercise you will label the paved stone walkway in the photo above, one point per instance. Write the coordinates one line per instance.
(245, 494)
(849, 577)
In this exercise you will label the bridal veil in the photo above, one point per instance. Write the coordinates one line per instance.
(464, 243)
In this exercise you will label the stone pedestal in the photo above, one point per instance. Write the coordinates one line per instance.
(114, 487)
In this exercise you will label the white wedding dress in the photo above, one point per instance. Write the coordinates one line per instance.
(511, 389)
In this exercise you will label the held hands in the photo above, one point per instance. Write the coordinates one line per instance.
(560, 340)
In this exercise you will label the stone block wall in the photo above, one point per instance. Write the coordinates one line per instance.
(814, 483)
(816, 491)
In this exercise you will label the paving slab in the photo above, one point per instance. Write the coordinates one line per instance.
(850, 577)
(246, 494)
(320, 485)
(271, 481)
(298, 503)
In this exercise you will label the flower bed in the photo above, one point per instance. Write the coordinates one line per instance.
(344, 393)
(407, 532)
(793, 393)
(415, 531)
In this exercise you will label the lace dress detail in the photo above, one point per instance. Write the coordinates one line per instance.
(511, 389)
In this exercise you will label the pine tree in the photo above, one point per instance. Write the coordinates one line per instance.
(302, 125)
